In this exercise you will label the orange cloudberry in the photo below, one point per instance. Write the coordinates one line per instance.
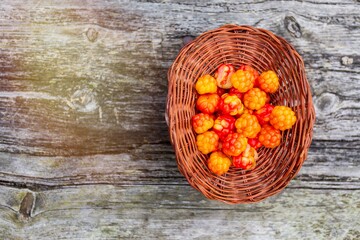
(268, 81)
(247, 125)
(207, 142)
(202, 122)
(254, 99)
(282, 118)
(269, 136)
(243, 80)
(208, 103)
(219, 163)
(206, 84)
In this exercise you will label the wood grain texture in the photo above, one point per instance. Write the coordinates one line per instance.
(163, 212)
(84, 147)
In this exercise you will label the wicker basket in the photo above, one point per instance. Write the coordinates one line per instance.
(263, 50)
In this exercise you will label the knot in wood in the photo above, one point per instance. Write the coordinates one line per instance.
(92, 34)
(326, 103)
(26, 206)
(84, 100)
(292, 26)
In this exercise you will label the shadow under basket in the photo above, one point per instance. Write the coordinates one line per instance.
(262, 50)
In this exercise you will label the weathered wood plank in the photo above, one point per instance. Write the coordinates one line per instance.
(94, 78)
(163, 212)
(329, 165)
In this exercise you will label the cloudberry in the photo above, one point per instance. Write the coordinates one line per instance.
(206, 84)
(254, 99)
(254, 142)
(223, 76)
(207, 142)
(268, 81)
(247, 125)
(282, 118)
(250, 69)
(243, 80)
(234, 91)
(269, 136)
(230, 104)
(246, 160)
(234, 144)
(208, 103)
(219, 163)
(224, 125)
(263, 114)
(202, 122)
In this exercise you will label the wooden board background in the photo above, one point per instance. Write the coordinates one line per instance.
(84, 147)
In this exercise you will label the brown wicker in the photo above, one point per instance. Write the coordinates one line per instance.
(263, 50)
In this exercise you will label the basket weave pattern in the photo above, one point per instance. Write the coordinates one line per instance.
(262, 50)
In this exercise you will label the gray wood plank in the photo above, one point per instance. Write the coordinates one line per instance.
(77, 75)
(329, 166)
(178, 212)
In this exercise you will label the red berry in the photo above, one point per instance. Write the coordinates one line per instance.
(224, 125)
(251, 69)
(223, 76)
(234, 91)
(234, 144)
(220, 91)
(230, 104)
(263, 114)
(246, 160)
(254, 142)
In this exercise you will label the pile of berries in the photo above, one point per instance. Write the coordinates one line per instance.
(235, 117)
